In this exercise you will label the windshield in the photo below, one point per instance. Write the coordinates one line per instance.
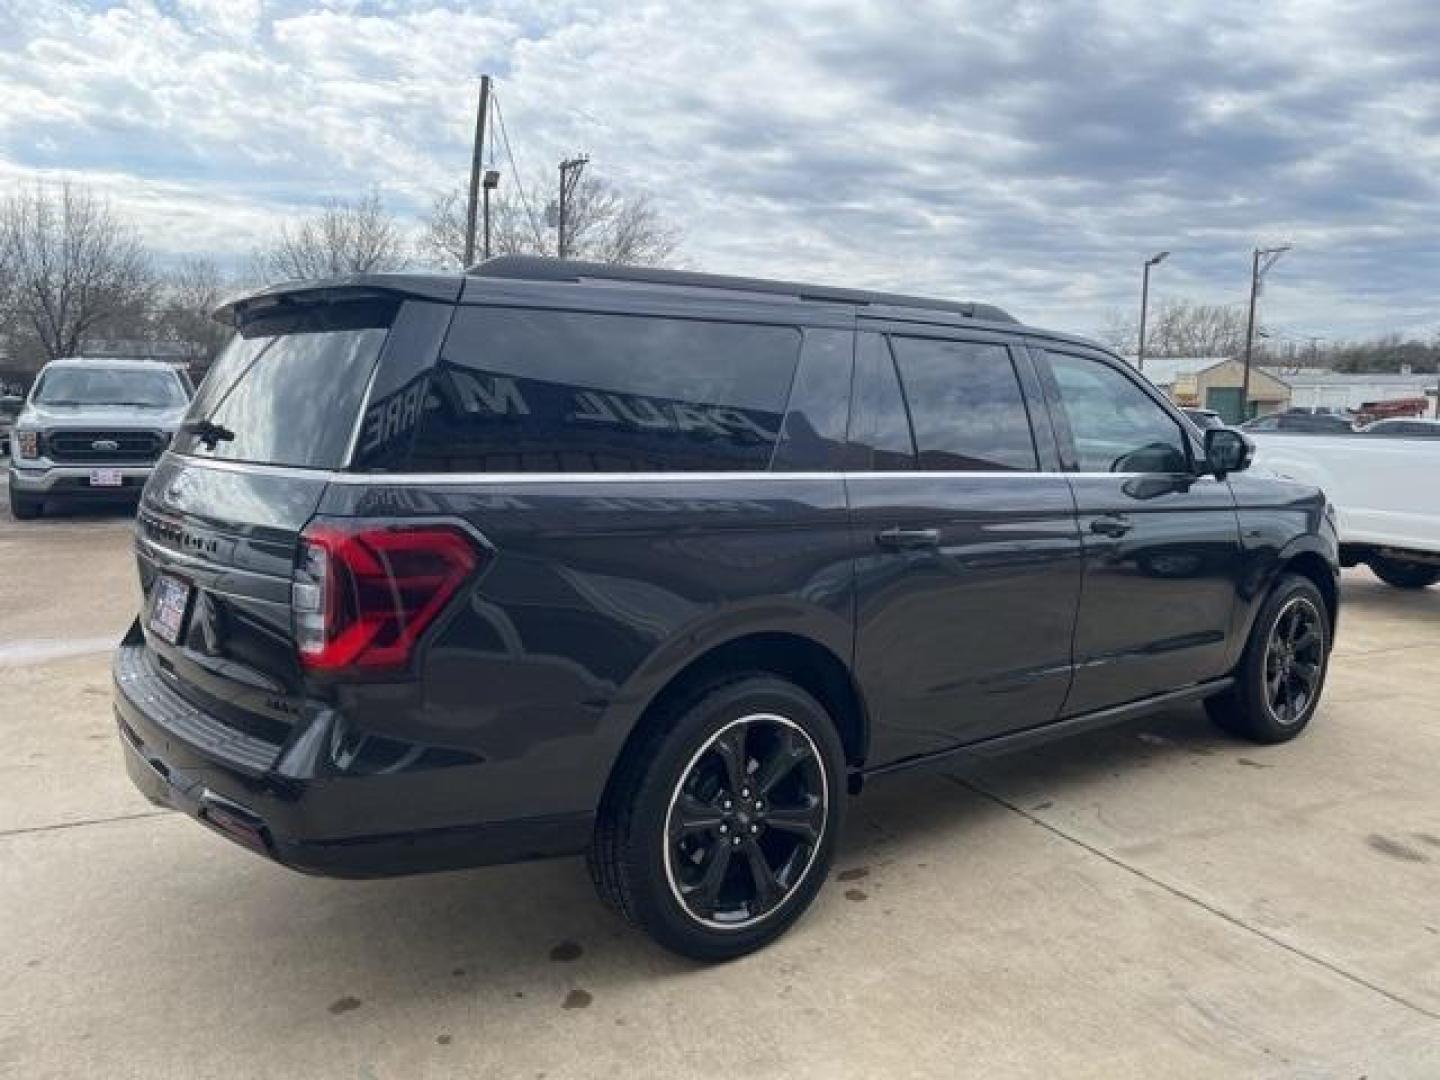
(159, 389)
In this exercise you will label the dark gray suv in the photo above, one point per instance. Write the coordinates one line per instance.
(554, 558)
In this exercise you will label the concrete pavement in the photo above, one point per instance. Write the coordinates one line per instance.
(1151, 900)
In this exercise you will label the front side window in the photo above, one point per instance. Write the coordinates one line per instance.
(531, 390)
(965, 405)
(1114, 426)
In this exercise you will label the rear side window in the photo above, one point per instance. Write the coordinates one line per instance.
(965, 405)
(522, 390)
(287, 390)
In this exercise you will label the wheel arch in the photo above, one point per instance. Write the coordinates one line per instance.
(1314, 566)
(801, 660)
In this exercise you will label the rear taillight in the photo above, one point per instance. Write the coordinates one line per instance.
(364, 594)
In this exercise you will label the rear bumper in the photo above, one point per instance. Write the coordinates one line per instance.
(182, 759)
(73, 481)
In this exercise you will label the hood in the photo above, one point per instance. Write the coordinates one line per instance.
(118, 417)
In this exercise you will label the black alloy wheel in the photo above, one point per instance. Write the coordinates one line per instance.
(1278, 682)
(1294, 660)
(745, 821)
(721, 821)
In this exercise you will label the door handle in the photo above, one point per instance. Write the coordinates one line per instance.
(908, 539)
(1113, 526)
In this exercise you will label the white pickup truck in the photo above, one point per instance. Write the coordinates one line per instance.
(1386, 493)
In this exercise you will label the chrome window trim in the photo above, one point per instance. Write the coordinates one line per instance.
(354, 479)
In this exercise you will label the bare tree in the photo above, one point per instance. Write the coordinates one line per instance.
(1180, 328)
(70, 269)
(1390, 353)
(343, 238)
(602, 225)
(1121, 332)
(188, 296)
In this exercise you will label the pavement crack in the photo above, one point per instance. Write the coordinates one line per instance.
(1180, 894)
(59, 825)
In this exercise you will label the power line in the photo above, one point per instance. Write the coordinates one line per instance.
(519, 177)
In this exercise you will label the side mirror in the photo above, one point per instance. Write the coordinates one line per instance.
(1227, 451)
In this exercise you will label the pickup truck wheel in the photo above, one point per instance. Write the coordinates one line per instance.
(1404, 575)
(1280, 678)
(24, 507)
(722, 821)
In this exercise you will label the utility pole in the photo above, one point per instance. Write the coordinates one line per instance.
(1154, 260)
(482, 113)
(1260, 263)
(569, 177)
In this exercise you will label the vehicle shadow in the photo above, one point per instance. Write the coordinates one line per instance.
(1362, 592)
(537, 930)
(73, 513)
(1053, 772)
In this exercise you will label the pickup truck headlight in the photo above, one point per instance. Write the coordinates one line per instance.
(27, 444)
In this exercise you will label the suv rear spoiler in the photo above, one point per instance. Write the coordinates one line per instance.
(442, 288)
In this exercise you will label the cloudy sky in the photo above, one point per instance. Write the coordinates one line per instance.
(1031, 154)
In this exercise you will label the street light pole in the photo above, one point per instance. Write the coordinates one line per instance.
(1154, 260)
(1261, 261)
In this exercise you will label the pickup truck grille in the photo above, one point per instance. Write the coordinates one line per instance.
(103, 447)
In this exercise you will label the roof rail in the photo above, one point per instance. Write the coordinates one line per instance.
(543, 268)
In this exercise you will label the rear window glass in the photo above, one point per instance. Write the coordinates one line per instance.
(550, 391)
(287, 390)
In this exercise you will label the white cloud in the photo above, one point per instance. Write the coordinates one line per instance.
(1030, 153)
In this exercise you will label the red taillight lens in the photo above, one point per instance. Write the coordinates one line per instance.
(364, 594)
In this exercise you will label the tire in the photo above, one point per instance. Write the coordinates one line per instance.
(1404, 575)
(658, 869)
(24, 507)
(1280, 678)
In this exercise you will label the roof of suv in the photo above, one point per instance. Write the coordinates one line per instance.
(534, 268)
(544, 269)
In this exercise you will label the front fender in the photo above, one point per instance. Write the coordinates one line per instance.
(1281, 520)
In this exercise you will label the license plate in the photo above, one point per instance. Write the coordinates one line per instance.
(169, 600)
(106, 478)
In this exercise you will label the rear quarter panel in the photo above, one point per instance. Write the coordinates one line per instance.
(599, 592)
